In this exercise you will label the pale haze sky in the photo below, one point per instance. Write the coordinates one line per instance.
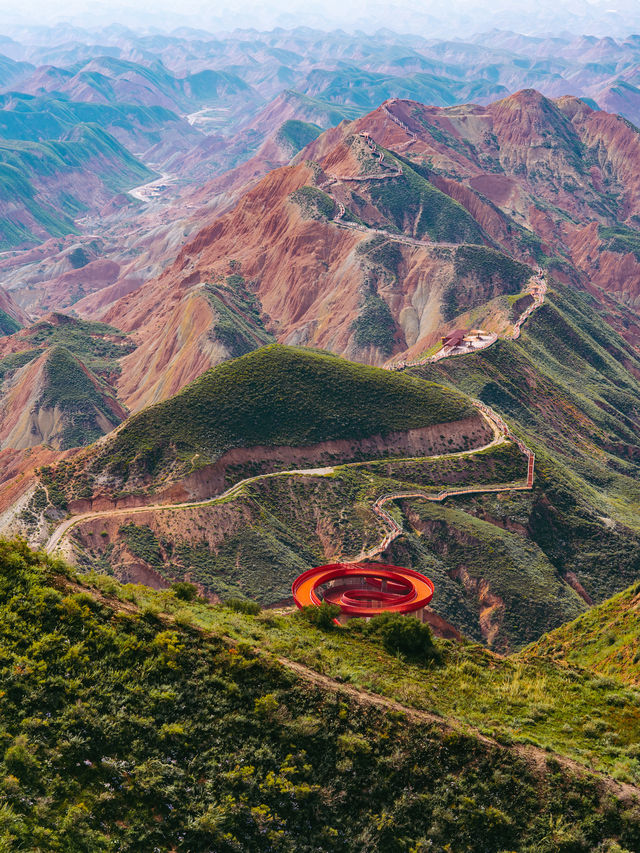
(430, 18)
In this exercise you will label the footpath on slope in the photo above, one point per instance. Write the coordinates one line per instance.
(395, 529)
(533, 755)
(501, 432)
(537, 288)
(59, 534)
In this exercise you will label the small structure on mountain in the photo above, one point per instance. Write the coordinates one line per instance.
(364, 589)
(467, 340)
(455, 338)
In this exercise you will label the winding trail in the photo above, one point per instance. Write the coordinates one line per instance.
(395, 529)
(501, 433)
(537, 289)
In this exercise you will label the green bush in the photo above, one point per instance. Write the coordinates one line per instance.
(184, 591)
(399, 635)
(243, 605)
(406, 635)
(323, 616)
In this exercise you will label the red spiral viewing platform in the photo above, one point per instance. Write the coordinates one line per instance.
(364, 589)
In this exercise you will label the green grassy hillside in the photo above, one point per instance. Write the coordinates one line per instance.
(7, 324)
(97, 345)
(605, 640)
(568, 386)
(276, 396)
(15, 186)
(87, 405)
(411, 195)
(298, 134)
(32, 118)
(80, 372)
(32, 177)
(479, 275)
(129, 729)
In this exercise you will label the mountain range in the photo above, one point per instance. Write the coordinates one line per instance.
(270, 301)
(189, 106)
(382, 234)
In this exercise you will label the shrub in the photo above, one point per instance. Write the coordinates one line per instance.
(184, 591)
(399, 635)
(323, 616)
(243, 605)
(407, 636)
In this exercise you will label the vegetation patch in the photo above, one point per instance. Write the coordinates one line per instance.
(606, 639)
(166, 737)
(275, 396)
(413, 204)
(97, 345)
(621, 239)
(314, 203)
(492, 272)
(142, 543)
(298, 134)
(239, 321)
(374, 326)
(8, 325)
(70, 388)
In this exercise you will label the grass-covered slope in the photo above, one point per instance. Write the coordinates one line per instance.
(479, 275)
(127, 730)
(8, 325)
(606, 639)
(411, 197)
(239, 324)
(296, 134)
(256, 543)
(17, 189)
(75, 401)
(97, 345)
(569, 386)
(84, 406)
(280, 396)
(28, 117)
(47, 181)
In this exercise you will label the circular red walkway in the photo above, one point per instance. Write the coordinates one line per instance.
(363, 589)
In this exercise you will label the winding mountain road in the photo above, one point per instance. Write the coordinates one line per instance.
(500, 430)
(537, 289)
